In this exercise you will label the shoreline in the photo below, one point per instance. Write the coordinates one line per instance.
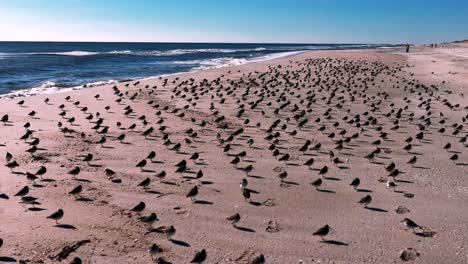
(46, 87)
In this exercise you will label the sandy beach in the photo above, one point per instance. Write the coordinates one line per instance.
(277, 124)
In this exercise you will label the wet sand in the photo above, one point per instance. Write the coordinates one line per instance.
(352, 103)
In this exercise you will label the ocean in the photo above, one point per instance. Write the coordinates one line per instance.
(28, 68)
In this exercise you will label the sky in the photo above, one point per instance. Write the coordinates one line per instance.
(245, 21)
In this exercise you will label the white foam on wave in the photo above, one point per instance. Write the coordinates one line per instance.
(173, 52)
(49, 87)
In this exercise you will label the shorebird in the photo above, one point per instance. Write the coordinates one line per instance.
(170, 232)
(260, 259)
(235, 161)
(282, 175)
(412, 161)
(12, 165)
(309, 162)
(57, 215)
(139, 207)
(323, 171)
(391, 185)
(323, 231)
(355, 183)
(149, 219)
(74, 172)
(161, 175)
(366, 200)
(141, 165)
(246, 194)
(317, 183)
(410, 224)
(154, 249)
(145, 183)
(24, 191)
(76, 260)
(8, 157)
(151, 155)
(244, 183)
(199, 257)
(247, 169)
(234, 219)
(77, 190)
(192, 193)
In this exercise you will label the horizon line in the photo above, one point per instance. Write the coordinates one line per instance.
(198, 42)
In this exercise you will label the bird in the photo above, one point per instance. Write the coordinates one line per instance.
(149, 219)
(410, 224)
(12, 165)
(317, 183)
(282, 175)
(57, 215)
(366, 200)
(154, 249)
(412, 161)
(234, 219)
(244, 183)
(246, 194)
(170, 232)
(24, 191)
(151, 155)
(192, 193)
(76, 190)
(309, 162)
(249, 168)
(355, 183)
(161, 260)
(323, 231)
(76, 260)
(74, 172)
(141, 164)
(41, 171)
(199, 257)
(139, 207)
(8, 157)
(145, 183)
(391, 184)
(323, 171)
(260, 259)
(235, 161)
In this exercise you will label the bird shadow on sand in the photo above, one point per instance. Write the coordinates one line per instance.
(331, 179)
(403, 181)
(153, 192)
(65, 226)
(255, 176)
(364, 190)
(7, 259)
(255, 203)
(334, 242)
(82, 180)
(325, 191)
(36, 209)
(202, 202)
(180, 243)
(84, 199)
(290, 183)
(461, 164)
(421, 167)
(245, 229)
(376, 209)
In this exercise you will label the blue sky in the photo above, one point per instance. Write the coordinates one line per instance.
(294, 21)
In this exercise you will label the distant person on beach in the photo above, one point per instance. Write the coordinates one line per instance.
(407, 48)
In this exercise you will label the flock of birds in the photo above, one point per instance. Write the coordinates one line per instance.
(328, 104)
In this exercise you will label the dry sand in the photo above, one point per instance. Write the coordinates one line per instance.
(371, 84)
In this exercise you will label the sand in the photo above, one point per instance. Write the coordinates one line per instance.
(281, 217)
